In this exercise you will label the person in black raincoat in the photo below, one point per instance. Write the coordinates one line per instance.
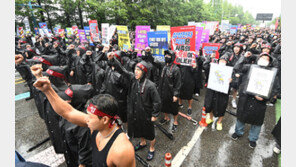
(187, 85)
(153, 71)
(76, 74)
(57, 76)
(198, 77)
(115, 84)
(30, 51)
(251, 109)
(233, 58)
(24, 69)
(86, 67)
(143, 105)
(215, 102)
(169, 89)
(76, 139)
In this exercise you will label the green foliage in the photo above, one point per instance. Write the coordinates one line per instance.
(132, 12)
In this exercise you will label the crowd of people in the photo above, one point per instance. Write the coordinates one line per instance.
(94, 98)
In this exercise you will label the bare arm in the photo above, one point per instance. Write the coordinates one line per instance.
(60, 106)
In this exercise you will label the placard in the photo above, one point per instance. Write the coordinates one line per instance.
(164, 28)
(261, 81)
(141, 39)
(87, 34)
(105, 32)
(199, 31)
(94, 30)
(123, 38)
(157, 41)
(209, 48)
(82, 36)
(205, 36)
(219, 77)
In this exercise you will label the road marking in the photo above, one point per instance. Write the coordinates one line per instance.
(182, 154)
(22, 96)
(20, 82)
(48, 157)
(223, 154)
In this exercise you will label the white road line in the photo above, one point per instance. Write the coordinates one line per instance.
(48, 157)
(184, 151)
(223, 154)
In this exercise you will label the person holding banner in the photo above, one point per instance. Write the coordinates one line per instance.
(143, 105)
(251, 108)
(169, 89)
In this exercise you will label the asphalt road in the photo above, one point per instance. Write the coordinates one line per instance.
(192, 146)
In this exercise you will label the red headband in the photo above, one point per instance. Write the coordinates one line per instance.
(69, 92)
(94, 110)
(116, 55)
(141, 66)
(44, 61)
(56, 74)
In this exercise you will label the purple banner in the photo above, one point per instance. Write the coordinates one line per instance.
(82, 36)
(198, 34)
(205, 36)
(141, 40)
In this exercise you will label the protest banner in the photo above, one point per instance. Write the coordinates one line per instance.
(141, 40)
(105, 32)
(75, 29)
(233, 29)
(36, 31)
(56, 29)
(199, 31)
(205, 36)
(191, 23)
(112, 30)
(164, 28)
(219, 77)
(157, 41)
(43, 29)
(82, 36)
(21, 32)
(27, 26)
(183, 41)
(62, 32)
(69, 31)
(209, 48)
(212, 26)
(123, 38)
(185, 58)
(87, 34)
(200, 24)
(94, 31)
(260, 81)
(225, 26)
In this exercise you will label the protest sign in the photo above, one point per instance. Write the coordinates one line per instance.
(141, 40)
(209, 48)
(260, 81)
(69, 31)
(212, 26)
(123, 38)
(87, 34)
(36, 31)
(199, 31)
(82, 36)
(183, 41)
(112, 29)
(56, 29)
(157, 41)
(200, 24)
(205, 36)
(225, 26)
(62, 32)
(105, 32)
(21, 32)
(94, 31)
(164, 28)
(27, 26)
(185, 58)
(219, 77)
(43, 29)
(233, 29)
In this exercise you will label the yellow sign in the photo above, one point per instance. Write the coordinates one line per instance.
(165, 28)
(123, 38)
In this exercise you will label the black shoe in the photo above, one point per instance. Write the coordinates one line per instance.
(163, 121)
(150, 155)
(252, 144)
(189, 111)
(234, 136)
(174, 128)
(29, 98)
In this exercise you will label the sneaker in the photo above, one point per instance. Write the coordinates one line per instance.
(252, 144)
(181, 105)
(234, 136)
(233, 102)
(163, 121)
(189, 111)
(219, 126)
(277, 149)
(174, 128)
(209, 120)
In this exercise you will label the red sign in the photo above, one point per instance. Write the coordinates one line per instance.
(183, 38)
(209, 48)
(94, 30)
(61, 32)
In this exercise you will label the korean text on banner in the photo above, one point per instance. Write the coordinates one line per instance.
(87, 34)
(123, 38)
(165, 28)
(212, 26)
(105, 34)
(233, 29)
(82, 36)
(209, 48)
(94, 31)
(205, 36)
(183, 41)
(141, 41)
(157, 41)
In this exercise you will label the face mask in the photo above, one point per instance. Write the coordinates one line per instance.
(263, 62)
(167, 60)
